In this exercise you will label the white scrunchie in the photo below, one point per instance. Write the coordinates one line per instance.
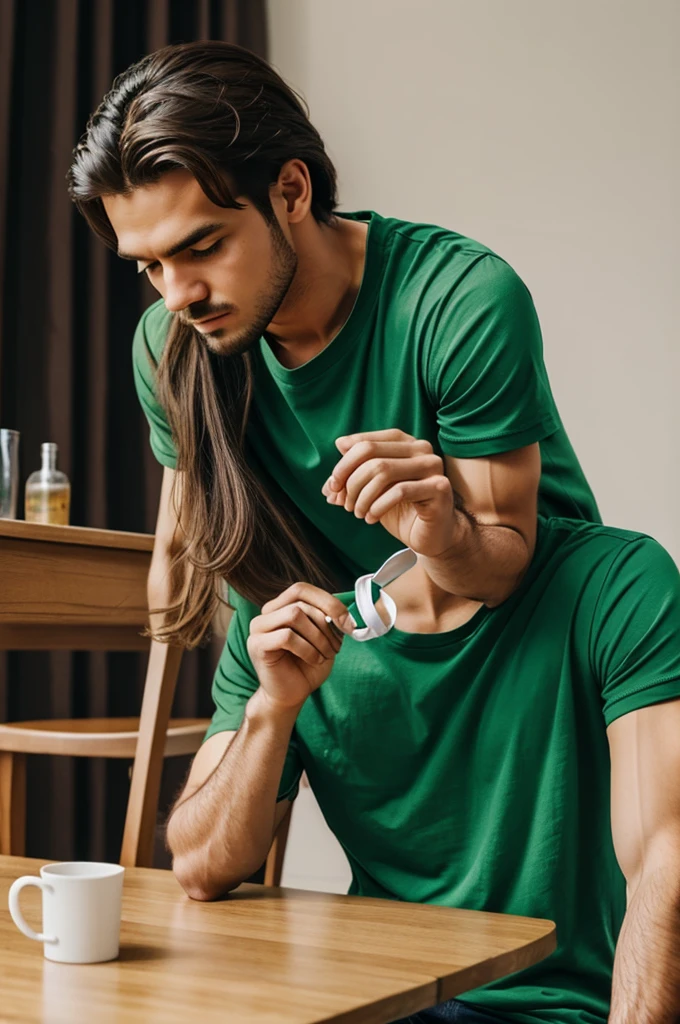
(395, 566)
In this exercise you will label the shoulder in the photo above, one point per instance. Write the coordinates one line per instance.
(627, 622)
(441, 261)
(151, 333)
(426, 237)
(609, 560)
(457, 298)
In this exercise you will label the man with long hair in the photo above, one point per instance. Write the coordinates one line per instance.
(322, 388)
(303, 363)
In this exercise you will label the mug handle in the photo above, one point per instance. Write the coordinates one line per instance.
(15, 909)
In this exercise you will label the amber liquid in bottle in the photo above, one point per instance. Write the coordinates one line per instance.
(48, 492)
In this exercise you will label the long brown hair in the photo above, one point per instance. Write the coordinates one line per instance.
(223, 114)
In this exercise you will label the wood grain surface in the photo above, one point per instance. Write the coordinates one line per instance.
(66, 584)
(86, 535)
(261, 956)
(72, 588)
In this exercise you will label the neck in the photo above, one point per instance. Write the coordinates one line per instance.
(330, 267)
(423, 607)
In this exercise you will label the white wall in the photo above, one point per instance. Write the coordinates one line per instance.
(547, 129)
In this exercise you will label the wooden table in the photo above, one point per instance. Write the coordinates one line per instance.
(262, 956)
(72, 588)
(75, 588)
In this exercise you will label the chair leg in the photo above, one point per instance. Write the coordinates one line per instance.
(274, 863)
(12, 804)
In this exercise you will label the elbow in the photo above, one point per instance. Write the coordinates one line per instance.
(194, 868)
(509, 580)
(200, 893)
(202, 865)
(197, 883)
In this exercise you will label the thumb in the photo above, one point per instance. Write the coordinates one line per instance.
(441, 501)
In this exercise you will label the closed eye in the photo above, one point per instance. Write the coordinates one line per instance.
(200, 254)
(197, 254)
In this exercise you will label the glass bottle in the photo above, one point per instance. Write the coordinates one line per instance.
(48, 492)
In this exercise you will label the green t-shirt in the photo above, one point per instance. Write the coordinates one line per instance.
(471, 768)
(443, 342)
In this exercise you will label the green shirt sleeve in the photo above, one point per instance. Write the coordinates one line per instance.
(147, 348)
(635, 638)
(234, 684)
(485, 369)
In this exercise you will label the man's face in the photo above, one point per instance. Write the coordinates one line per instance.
(228, 268)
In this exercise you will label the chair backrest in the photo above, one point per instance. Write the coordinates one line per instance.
(140, 819)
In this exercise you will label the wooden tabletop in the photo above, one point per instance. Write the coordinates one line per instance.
(76, 535)
(261, 956)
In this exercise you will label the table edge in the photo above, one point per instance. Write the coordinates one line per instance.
(533, 951)
(19, 529)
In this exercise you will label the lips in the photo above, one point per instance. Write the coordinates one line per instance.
(209, 319)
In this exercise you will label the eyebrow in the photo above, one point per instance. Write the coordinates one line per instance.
(197, 235)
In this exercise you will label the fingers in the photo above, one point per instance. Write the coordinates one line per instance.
(390, 434)
(307, 622)
(315, 596)
(270, 647)
(371, 480)
(380, 444)
(430, 495)
(376, 476)
(334, 497)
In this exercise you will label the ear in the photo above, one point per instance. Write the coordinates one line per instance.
(295, 188)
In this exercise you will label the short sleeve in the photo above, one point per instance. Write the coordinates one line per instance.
(234, 684)
(485, 370)
(147, 348)
(635, 637)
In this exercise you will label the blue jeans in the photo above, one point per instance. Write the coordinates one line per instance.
(452, 1011)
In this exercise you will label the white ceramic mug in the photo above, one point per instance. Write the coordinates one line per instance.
(81, 906)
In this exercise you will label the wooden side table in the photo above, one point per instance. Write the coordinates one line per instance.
(75, 588)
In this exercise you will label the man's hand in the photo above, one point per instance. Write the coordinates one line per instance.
(477, 546)
(391, 478)
(291, 645)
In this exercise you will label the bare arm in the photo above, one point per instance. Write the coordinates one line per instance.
(492, 547)
(223, 824)
(222, 827)
(645, 755)
(476, 546)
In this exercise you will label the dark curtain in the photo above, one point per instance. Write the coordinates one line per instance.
(68, 309)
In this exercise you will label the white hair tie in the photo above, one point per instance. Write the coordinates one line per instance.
(395, 566)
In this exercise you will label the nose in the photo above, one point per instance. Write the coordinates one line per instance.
(182, 288)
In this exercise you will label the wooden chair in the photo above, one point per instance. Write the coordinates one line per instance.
(274, 864)
(146, 739)
(74, 588)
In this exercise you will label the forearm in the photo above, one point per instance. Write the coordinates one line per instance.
(646, 980)
(222, 833)
(484, 563)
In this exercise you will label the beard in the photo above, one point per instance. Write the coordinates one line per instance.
(284, 266)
